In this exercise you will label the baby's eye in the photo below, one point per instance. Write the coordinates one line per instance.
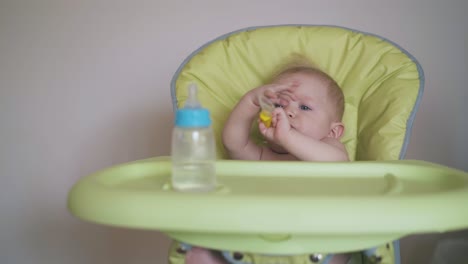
(278, 105)
(305, 108)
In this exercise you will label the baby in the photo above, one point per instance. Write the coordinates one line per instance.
(306, 125)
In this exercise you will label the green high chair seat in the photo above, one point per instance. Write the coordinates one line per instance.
(293, 207)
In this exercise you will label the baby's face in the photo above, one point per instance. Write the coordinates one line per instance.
(307, 105)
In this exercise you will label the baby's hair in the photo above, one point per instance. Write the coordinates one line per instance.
(299, 64)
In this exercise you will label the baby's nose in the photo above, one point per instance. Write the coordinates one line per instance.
(290, 112)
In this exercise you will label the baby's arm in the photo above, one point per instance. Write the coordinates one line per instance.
(301, 146)
(236, 132)
(309, 149)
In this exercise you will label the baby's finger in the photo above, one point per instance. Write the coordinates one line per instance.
(265, 131)
(274, 116)
(276, 87)
(270, 94)
(282, 101)
(278, 115)
(285, 94)
(261, 127)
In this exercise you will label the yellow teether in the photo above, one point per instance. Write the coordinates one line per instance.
(265, 117)
(267, 107)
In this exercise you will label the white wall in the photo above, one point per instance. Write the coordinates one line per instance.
(85, 85)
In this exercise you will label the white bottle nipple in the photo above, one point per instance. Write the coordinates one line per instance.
(192, 99)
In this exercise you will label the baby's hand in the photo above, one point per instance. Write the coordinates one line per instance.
(280, 128)
(271, 91)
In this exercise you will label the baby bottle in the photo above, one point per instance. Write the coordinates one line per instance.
(193, 147)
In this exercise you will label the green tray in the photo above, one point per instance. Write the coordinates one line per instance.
(280, 207)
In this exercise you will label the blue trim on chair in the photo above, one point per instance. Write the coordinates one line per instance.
(396, 249)
(327, 259)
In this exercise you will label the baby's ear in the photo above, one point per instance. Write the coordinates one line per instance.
(337, 130)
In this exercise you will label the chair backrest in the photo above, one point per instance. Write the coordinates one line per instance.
(382, 83)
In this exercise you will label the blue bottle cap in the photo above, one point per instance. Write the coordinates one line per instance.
(192, 117)
(193, 114)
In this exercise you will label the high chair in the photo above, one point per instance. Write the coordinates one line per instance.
(293, 208)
